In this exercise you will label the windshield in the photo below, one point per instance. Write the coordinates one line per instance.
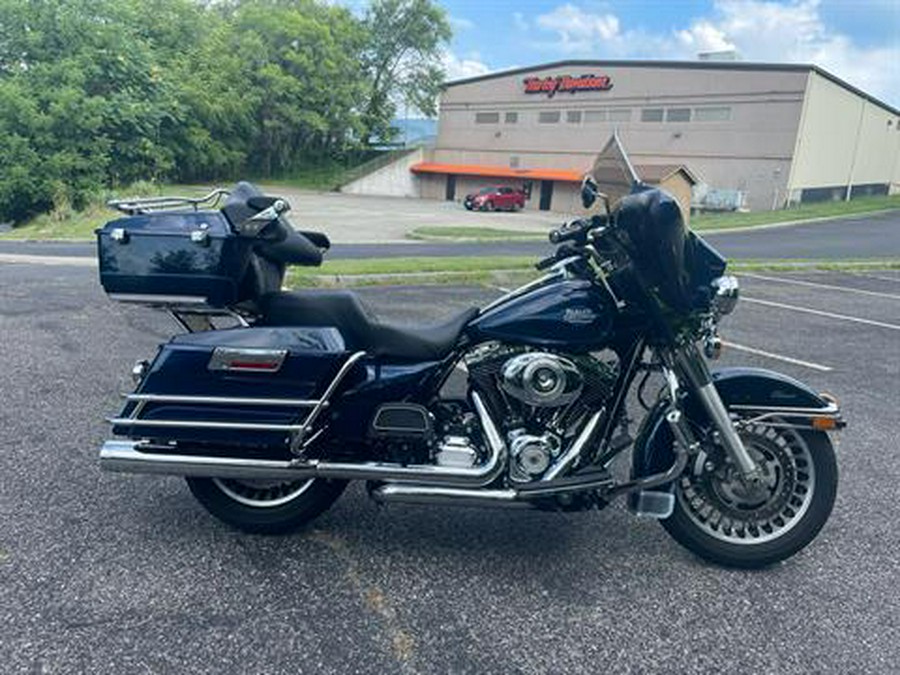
(487, 191)
(613, 171)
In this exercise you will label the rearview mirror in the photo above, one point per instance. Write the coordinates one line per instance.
(589, 192)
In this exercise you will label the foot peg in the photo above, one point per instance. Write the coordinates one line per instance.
(650, 504)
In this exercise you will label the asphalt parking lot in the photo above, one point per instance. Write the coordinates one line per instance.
(127, 574)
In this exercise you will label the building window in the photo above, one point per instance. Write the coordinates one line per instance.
(573, 116)
(712, 114)
(620, 114)
(511, 118)
(594, 116)
(678, 114)
(487, 118)
(549, 117)
(652, 115)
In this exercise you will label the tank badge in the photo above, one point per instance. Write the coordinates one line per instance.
(579, 315)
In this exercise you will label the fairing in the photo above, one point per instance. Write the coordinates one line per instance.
(673, 260)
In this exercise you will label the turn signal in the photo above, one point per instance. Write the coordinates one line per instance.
(824, 423)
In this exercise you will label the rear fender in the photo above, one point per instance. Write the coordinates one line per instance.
(752, 392)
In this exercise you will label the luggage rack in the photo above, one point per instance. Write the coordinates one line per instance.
(192, 313)
(298, 433)
(138, 205)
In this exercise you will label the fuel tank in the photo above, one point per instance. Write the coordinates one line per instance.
(572, 314)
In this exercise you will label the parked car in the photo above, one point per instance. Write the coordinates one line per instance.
(496, 198)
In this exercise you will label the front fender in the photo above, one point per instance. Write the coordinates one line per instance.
(748, 390)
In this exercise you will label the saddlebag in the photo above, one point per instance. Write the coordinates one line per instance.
(242, 386)
(183, 258)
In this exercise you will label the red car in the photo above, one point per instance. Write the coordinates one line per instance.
(496, 198)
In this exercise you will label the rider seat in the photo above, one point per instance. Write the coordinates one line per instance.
(359, 328)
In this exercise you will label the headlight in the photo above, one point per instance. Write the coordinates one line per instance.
(725, 294)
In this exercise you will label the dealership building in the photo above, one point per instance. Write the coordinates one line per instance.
(749, 135)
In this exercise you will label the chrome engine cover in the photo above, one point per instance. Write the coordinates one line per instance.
(541, 379)
(531, 456)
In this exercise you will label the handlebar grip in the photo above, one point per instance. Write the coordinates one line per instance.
(567, 233)
(545, 263)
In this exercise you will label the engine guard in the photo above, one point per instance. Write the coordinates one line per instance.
(755, 393)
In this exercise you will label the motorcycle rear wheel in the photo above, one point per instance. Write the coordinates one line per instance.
(266, 507)
(723, 521)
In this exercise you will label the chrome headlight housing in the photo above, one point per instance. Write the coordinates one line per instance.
(726, 291)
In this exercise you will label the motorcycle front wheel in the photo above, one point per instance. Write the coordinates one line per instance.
(722, 519)
(266, 507)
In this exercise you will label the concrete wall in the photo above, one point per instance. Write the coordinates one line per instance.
(844, 140)
(393, 180)
(749, 151)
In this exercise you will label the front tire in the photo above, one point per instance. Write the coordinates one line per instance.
(722, 520)
(266, 507)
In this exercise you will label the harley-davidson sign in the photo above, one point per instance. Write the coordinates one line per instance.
(567, 84)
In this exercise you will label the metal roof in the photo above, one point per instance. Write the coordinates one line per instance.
(686, 65)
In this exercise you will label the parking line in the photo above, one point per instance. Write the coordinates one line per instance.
(896, 280)
(830, 315)
(800, 282)
(77, 261)
(778, 357)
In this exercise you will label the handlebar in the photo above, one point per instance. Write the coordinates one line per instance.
(577, 230)
(561, 253)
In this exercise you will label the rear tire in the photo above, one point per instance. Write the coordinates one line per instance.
(716, 521)
(266, 507)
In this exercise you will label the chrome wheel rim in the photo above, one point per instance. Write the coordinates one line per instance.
(262, 494)
(720, 505)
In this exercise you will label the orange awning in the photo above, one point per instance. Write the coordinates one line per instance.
(498, 171)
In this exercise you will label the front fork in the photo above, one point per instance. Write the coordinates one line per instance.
(685, 364)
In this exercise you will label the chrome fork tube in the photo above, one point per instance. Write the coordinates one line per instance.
(691, 366)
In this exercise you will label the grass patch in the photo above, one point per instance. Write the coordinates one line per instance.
(69, 224)
(416, 265)
(473, 234)
(724, 221)
(322, 178)
(507, 271)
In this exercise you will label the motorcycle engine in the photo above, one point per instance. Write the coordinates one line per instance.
(540, 399)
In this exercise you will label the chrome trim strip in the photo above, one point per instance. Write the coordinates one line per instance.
(225, 400)
(830, 409)
(521, 290)
(159, 299)
(187, 424)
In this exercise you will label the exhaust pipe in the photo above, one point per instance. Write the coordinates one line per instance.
(127, 457)
(427, 494)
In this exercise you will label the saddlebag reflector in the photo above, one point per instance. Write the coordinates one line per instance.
(247, 360)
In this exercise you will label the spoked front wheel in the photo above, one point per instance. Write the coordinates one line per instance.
(266, 507)
(727, 521)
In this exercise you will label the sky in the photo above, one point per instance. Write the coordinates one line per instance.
(857, 40)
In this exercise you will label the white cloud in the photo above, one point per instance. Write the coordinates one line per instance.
(458, 68)
(577, 29)
(760, 30)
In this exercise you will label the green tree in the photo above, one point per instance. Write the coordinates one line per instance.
(402, 59)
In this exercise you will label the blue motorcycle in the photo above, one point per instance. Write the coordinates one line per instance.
(270, 401)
